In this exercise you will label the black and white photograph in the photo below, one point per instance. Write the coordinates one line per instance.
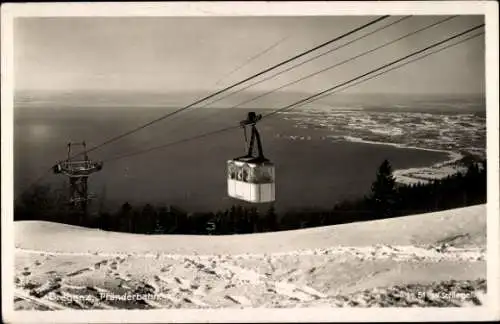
(195, 157)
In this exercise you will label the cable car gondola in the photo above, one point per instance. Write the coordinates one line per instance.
(251, 178)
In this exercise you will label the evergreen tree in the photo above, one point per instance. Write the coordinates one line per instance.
(34, 204)
(164, 219)
(125, 217)
(159, 228)
(272, 219)
(181, 220)
(232, 221)
(383, 191)
(254, 220)
(105, 221)
(102, 199)
(147, 221)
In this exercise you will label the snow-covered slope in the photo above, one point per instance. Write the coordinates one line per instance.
(435, 259)
(463, 226)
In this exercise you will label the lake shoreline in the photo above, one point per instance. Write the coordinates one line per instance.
(407, 175)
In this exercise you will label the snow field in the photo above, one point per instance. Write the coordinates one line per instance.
(380, 263)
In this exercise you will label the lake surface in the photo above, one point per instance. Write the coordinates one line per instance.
(309, 173)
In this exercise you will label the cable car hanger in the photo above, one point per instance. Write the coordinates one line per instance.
(251, 120)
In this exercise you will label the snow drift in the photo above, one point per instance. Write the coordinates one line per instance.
(436, 259)
(464, 226)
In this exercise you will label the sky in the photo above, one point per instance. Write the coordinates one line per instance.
(184, 54)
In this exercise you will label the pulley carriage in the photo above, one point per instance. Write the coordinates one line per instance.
(77, 168)
(251, 178)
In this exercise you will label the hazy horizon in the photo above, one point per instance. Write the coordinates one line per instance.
(145, 99)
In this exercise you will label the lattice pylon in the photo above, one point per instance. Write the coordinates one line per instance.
(78, 173)
(79, 196)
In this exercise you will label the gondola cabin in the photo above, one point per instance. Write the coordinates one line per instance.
(251, 178)
(250, 181)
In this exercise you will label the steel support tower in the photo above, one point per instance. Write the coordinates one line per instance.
(78, 172)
